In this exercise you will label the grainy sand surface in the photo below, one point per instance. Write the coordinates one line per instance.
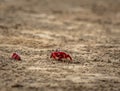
(88, 30)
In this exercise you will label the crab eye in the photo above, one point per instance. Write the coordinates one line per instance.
(57, 50)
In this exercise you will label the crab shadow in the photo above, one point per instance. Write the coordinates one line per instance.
(66, 61)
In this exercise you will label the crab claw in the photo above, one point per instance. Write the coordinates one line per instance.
(53, 55)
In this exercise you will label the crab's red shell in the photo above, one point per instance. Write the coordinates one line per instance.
(16, 56)
(60, 55)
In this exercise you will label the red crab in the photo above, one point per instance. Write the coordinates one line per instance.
(16, 56)
(58, 55)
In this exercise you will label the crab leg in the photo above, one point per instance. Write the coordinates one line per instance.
(68, 56)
